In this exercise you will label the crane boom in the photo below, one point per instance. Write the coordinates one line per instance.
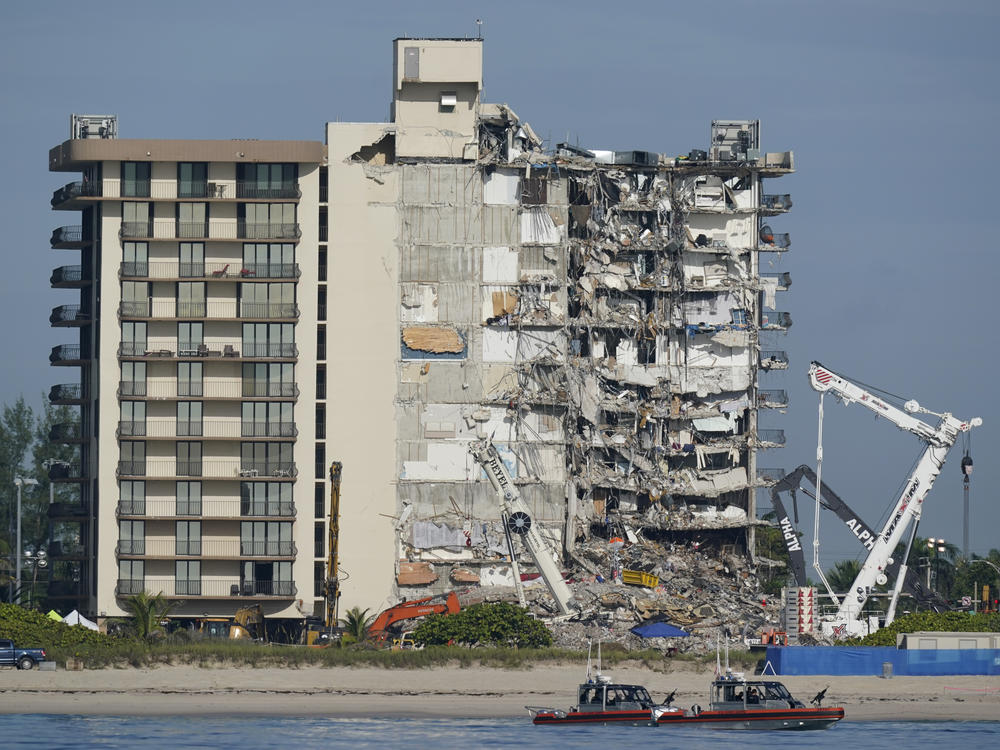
(909, 505)
(519, 521)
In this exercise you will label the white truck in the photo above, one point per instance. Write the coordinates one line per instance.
(848, 621)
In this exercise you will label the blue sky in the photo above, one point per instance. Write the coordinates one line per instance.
(888, 106)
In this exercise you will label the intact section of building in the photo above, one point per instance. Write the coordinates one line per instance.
(194, 361)
(251, 311)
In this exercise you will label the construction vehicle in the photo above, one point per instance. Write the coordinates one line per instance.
(848, 622)
(246, 624)
(517, 520)
(381, 631)
(316, 632)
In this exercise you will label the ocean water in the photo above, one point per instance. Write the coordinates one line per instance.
(51, 732)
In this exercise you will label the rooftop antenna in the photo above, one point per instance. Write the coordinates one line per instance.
(479, 28)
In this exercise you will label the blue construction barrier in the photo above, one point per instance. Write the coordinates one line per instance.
(860, 660)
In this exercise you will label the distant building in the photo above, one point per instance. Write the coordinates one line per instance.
(252, 310)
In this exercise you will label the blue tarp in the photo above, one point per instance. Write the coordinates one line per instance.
(658, 630)
(860, 660)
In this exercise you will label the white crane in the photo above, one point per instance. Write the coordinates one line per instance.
(517, 519)
(847, 621)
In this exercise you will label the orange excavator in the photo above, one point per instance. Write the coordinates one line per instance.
(380, 631)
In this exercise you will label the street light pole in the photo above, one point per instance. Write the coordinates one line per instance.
(19, 482)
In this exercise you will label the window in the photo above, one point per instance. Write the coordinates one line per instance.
(191, 259)
(269, 340)
(266, 499)
(188, 535)
(192, 220)
(135, 259)
(187, 578)
(131, 577)
(266, 459)
(189, 379)
(135, 299)
(135, 179)
(275, 300)
(268, 419)
(189, 498)
(274, 379)
(189, 418)
(132, 420)
(133, 339)
(740, 317)
(133, 379)
(191, 299)
(132, 497)
(132, 458)
(192, 180)
(132, 537)
(257, 181)
(137, 220)
(188, 459)
(190, 338)
(262, 221)
(274, 260)
(266, 538)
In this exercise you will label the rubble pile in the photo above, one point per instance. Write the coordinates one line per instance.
(705, 593)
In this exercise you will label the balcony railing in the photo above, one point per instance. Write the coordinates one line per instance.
(68, 510)
(772, 398)
(68, 315)
(769, 477)
(208, 589)
(227, 508)
(774, 360)
(213, 388)
(67, 236)
(269, 429)
(257, 389)
(167, 229)
(774, 241)
(134, 349)
(66, 276)
(135, 308)
(170, 349)
(270, 351)
(168, 468)
(66, 393)
(66, 549)
(771, 437)
(65, 432)
(65, 353)
(131, 429)
(213, 270)
(775, 320)
(70, 471)
(77, 189)
(782, 202)
(219, 548)
(132, 388)
(268, 310)
(784, 279)
(256, 191)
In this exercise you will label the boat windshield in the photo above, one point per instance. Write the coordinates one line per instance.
(776, 691)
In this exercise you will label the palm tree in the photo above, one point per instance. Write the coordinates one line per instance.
(842, 575)
(356, 623)
(147, 612)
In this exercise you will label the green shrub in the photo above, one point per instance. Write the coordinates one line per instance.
(945, 622)
(500, 624)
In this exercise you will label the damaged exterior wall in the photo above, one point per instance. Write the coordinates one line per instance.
(600, 315)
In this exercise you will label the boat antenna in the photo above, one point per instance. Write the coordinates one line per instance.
(718, 664)
(598, 659)
(590, 646)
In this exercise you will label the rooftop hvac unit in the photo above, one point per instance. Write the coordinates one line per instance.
(93, 126)
(735, 140)
(637, 158)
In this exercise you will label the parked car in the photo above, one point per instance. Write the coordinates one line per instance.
(22, 658)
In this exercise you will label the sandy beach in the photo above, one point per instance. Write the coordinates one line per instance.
(446, 692)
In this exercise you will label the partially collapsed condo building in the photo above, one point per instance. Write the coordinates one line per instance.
(385, 299)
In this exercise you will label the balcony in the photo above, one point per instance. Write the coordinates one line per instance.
(771, 320)
(771, 438)
(270, 351)
(65, 316)
(68, 511)
(171, 229)
(772, 399)
(773, 242)
(773, 360)
(226, 389)
(269, 430)
(257, 389)
(68, 277)
(67, 197)
(776, 204)
(270, 270)
(67, 550)
(221, 549)
(67, 394)
(213, 270)
(769, 477)
(781, 280)
(208, 589)
(224, 469)
(66, 589)
(269, 310)
(66, 432)
(67, 472)
(68, 355)
(68, 237)
(254, 191)
(232, 429)
(206, 509)
(131, 429)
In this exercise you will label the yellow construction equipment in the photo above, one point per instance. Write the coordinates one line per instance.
(331, 587)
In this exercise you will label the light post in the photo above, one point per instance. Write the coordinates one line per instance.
(936, 546)
(37, 560)
(19, 482)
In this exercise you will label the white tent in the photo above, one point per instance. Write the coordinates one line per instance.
(75, 618)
